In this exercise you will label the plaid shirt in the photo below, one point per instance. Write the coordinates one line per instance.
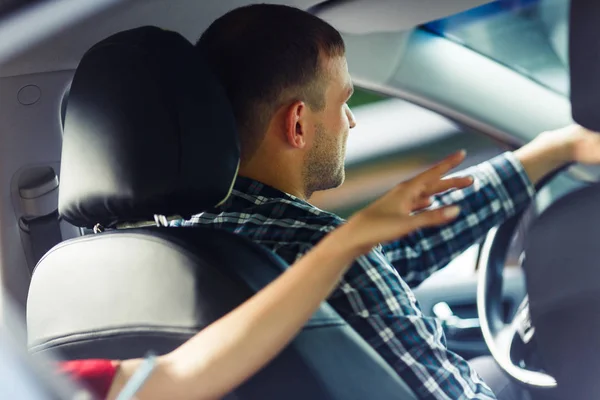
(374, 296)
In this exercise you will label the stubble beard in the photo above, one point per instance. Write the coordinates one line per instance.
(324, 167)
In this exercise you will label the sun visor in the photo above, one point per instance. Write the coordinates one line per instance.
(360, 16)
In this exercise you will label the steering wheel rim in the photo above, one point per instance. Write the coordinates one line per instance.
(498, 335)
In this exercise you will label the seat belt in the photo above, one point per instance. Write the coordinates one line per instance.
(37, 211)
(44, 233)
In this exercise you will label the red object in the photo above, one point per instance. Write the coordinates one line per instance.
(97, 375)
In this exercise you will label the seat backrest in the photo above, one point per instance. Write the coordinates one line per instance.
(135, 150)
(121, 294)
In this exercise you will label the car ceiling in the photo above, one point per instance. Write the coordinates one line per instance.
(63, 49)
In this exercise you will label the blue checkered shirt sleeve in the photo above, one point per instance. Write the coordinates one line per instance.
(501, 188)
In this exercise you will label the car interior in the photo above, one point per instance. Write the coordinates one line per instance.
(107, 122)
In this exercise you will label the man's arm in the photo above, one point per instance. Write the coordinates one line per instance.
(502, 188)
(554, 149)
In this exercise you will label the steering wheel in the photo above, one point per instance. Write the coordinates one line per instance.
(513, 340)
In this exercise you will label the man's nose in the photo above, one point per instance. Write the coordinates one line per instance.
(350, 115)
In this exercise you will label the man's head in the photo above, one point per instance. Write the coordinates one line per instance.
(285, 73)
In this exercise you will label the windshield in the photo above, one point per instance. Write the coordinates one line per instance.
(529, 36)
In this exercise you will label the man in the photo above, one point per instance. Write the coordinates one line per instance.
(286, 75)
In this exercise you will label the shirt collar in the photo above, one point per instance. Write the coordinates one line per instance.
(255, 188)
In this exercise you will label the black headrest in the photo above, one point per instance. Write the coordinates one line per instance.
(148, 131)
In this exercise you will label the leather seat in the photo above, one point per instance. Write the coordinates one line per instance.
(148, 134)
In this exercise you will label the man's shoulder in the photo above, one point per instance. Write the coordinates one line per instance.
(283, 220)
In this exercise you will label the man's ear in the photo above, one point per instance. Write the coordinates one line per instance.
(296, 124)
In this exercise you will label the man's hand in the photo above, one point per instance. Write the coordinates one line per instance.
(404, 208)
(554, 149)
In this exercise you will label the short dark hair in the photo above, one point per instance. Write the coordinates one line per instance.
(265, 55)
